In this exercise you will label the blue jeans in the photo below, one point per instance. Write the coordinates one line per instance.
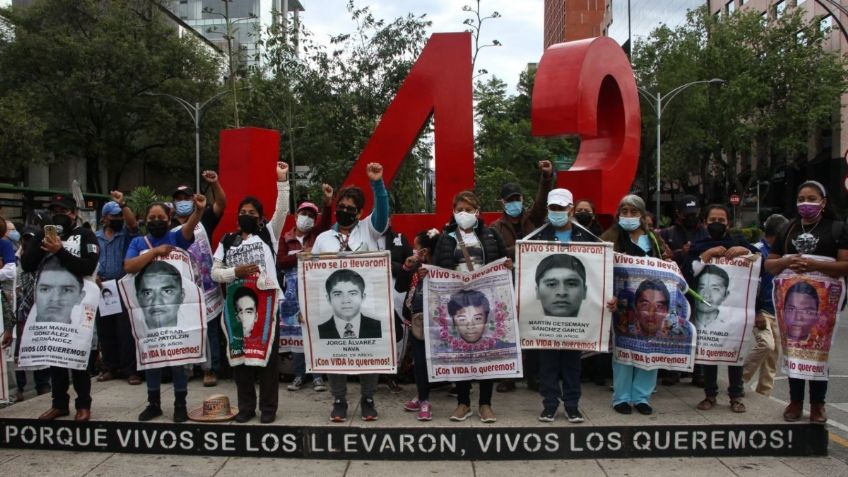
(631, 384)
(154, 379)
(299, 365)
(556, 365)
(213, 345)
(734, 376)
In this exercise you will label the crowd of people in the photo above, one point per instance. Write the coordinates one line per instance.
(466, 243)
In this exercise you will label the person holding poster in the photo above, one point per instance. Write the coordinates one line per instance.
(350, 234)
(466, 244)
(813, 243)
(308, 224)
(561, 289)
(632, 236)
(201, 254)
(66, 256)
(712, 283)
(143, 252)
(245, 260)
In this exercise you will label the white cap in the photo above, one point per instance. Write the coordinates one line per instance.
(561, 197)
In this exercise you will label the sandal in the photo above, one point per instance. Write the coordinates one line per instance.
(737, 405)
(105, 376)
(706, 404)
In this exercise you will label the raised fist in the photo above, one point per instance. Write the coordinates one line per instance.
(282, 171)
(210, 176)
(375, 171)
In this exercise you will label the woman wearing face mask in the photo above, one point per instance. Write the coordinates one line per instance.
(231, 263)
(409, 281)
(308, 224)
(584, 214)
(467, 244)
(631, 236)
(160, 241)
(814, 232)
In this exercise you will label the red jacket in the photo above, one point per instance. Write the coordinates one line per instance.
(290, 245)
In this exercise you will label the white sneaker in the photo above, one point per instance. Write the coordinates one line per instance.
(318, 384)
(296, 384)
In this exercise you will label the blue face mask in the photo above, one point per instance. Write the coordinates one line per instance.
(629, 223)
(514, 208)
(184, 207)
(15, 236)
(644, 243)
(558, 218)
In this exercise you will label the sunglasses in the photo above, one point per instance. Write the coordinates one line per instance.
(347, 208)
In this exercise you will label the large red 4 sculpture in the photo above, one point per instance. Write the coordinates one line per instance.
(584, 88)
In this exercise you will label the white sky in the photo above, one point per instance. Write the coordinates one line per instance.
(519, 29)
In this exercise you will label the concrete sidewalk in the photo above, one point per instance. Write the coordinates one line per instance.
(117, 401)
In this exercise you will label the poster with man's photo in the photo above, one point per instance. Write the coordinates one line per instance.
(807, 309)
(290, 333)
(346, 303)
(60, 325)
(166, 309)
(651, 327)
(250, 322)
(470, 325)
(563, 289)
(110, 301)
(724, 317)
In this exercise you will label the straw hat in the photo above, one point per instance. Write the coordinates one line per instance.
(215, 408)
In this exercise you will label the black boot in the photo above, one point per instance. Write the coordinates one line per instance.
(153, 409)
(180, 412)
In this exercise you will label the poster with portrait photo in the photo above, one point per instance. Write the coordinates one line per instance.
(651, 327)
(290, 332)
(724, 318)
(110, 301)
(250, 323)
(60, 326)
(166, 308)
(562, 293)
(470, 324)
(346, 303)
(807, 309)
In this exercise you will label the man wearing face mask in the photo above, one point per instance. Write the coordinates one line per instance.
(114, 334)
(78, 252)
(515, 222)
(201, 253)
(308, 224)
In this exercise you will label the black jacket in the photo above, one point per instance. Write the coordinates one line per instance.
(491, 241)
(79, 255)
(368, 328)
(577, 234)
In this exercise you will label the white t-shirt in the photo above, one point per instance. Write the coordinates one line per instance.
(363, 238)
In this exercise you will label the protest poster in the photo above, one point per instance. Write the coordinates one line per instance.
(250, 321)
(562, 293)
(651, 327)
(724, 317)
(110, 302)
(201, 252)
(60, 325)
(4, 386)
(470, 324)
(166, 308)
(290, 333)
(807, 309)
(346, 302)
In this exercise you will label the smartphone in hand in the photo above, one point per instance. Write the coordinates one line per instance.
(51, 231)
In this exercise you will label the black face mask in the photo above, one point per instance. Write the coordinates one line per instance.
(583, 218)
(116, 225)
(717, 230)
(63, 221)
(248, 224)
(344, 218)
(690, 221)
(157, 228)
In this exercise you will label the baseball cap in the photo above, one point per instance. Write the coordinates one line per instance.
(64, 201)
(111, 208)
(561, 197)
(307, 205)
(688, 204)
(510, 189)
(183, 189)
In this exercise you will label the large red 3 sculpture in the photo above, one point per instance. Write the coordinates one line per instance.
(584, 88)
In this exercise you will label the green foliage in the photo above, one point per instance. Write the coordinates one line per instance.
(140, 198)
(73, 84)
(782, 88)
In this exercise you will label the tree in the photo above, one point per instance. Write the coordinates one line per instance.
(74, 74)
(782, 89)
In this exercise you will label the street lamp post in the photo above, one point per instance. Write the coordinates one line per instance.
(658, 109)
(195, 110)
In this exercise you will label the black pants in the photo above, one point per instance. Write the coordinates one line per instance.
(61, 383)
(463, 392)
(419, 357)
(117, 346)
(269, 384)
(818, 390)
(734, 375)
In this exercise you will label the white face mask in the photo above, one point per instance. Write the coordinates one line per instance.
(305, 223)
(465, 220)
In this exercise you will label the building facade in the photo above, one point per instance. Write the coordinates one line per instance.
(569, 20)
